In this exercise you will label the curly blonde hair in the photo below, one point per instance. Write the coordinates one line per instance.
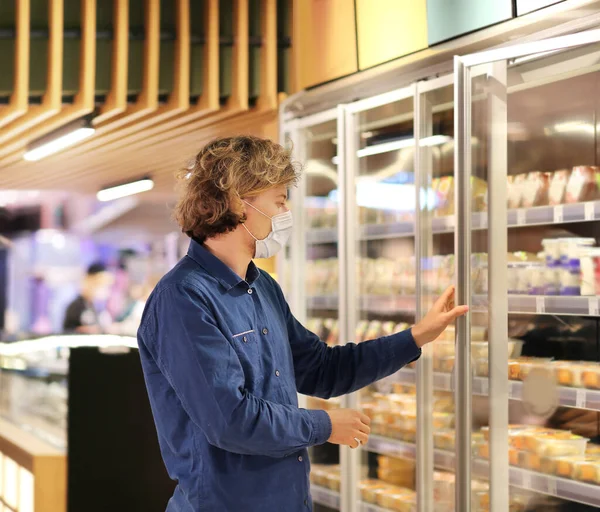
(223, 172)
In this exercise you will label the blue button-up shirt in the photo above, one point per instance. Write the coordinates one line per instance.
(224, 358)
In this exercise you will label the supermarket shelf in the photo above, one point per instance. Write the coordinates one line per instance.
(545, 484)
(382, 305)
(324, 496)
(369, 507)
(538, 216)
(549, 305)
(569, 397)
(517, 304)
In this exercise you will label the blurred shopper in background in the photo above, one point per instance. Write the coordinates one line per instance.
(128, 322)
(83, 315)
(224, 358)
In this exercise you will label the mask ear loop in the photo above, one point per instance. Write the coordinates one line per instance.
(249, 232)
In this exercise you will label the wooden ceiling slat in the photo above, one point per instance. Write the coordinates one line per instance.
(179, 99)
(52, 99)
(83, 103)
(19, 103)
(207, 103)
(237, 102)
(166, 158)
(268, 62)
(116, 101)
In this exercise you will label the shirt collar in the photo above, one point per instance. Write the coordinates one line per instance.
(219, 270)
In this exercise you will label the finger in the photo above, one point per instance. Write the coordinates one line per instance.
(365, 429)
(362, 437)
(456, 312)
(446, 297)
(365, 419)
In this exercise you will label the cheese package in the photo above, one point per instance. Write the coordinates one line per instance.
(582, 184)
(368, 489)
(588, 470)
(591, 377)
(558, 187)
(557, 444)
(444, 439)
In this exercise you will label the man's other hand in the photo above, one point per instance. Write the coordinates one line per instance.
(348, 426)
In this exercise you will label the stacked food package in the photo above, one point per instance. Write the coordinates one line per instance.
(394, 415)
(581, 183)
(385, 277)
(327, 329)
(443, 190)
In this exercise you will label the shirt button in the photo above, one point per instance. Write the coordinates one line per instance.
(277, 373)
(306, 503)
(244, 339)
(265, 331)
(250, 291)
(300, 458)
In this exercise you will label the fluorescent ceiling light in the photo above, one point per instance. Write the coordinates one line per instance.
(395, 145)
(571, 127)
(127, 189)
(58, 140)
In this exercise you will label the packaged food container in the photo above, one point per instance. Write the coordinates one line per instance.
(517, 281)
(582, 184)
(444, 439)
(551, 281)
(551, 251)
(318, 475)
(530, 460)
(513, 456)
(558, 445)
(516, 190)
(558, 187)
(443, 364)
(588, 470)
(565, 466)
(570, 283)
(442, 420)
(593, 449)
(481, 367)
(570, 251)
(333, 481)
(387, 498)
(569, 373)
(369, 487)
(537, 187)
(535, 277)
(590, 271)
(591, 377)
(522, 437)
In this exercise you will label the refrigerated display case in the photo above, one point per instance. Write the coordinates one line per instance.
(489, 179)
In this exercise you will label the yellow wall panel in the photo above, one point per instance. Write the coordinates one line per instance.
(324, 39)
(388, 29)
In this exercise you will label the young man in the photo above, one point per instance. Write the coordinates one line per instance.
(224, 358)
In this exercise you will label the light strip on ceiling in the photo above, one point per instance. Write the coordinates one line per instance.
(58, 140)
(126, 189)
(395, 145)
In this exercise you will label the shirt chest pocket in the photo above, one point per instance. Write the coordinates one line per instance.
(246, 345)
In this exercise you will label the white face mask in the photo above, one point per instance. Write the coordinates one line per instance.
(281, 228)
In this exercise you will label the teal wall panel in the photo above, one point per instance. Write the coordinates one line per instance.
(447, 19)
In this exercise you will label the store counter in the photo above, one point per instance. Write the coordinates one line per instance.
(76, 429)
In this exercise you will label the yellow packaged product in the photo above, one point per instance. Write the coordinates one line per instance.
(368, 489)
(568, 373)
(318, 475)
(444, 439)
(442, 420)
(592, 449)
(443, 364)
(385, 497)
(565, 466)
(513, 456)
(333, 480)
(588, 470)
(405, 502)
(557, 444)
(530, 460)
(373, 330)
(591, 377)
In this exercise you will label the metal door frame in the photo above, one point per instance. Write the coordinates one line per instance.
(496, 62)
